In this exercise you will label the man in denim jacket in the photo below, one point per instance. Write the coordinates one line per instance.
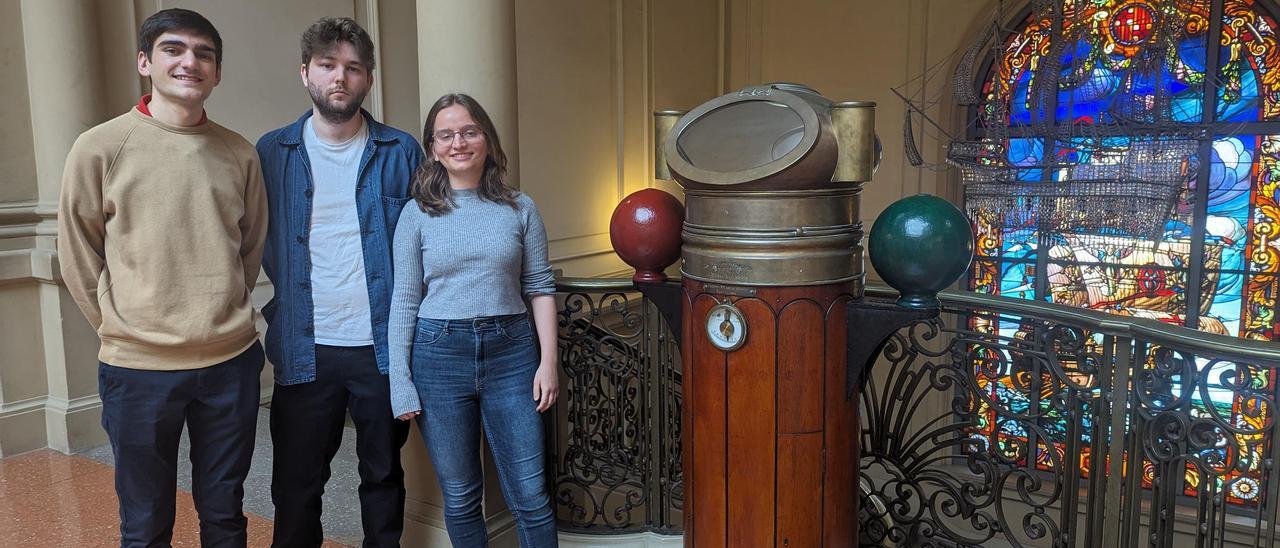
(336, 182)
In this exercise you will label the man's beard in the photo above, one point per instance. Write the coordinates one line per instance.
(335, 113)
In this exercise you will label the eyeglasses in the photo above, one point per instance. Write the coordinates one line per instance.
(470, 134)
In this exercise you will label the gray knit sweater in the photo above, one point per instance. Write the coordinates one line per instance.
(479, 259)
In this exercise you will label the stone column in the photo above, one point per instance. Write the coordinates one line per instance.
(466, 47)
(65, 84)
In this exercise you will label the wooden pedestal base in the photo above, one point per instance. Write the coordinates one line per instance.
(770, 435)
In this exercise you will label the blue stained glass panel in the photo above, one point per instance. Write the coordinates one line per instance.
(1230, 180)
(1222, 300)
(1017, 279)
(1019, 244)
(1089, 87)
(1238, 98)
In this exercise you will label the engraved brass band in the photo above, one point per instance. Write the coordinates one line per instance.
(757, 238)
(663, 121)
(854, 123)
(785, 210)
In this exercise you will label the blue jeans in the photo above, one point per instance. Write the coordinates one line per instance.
(473, 373)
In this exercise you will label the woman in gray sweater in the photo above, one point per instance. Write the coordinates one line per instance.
(469, 250)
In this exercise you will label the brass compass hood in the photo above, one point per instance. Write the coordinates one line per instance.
(772, 175)
(776, 137)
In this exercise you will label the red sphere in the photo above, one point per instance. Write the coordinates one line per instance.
(645, 232)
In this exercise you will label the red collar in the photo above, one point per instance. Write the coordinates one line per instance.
(143, 108)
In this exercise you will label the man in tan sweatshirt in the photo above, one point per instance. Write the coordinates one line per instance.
(161, 226)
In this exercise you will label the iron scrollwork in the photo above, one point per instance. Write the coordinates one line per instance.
(617, 425)
(1206, 426)
(1009, 428)
(964, 437)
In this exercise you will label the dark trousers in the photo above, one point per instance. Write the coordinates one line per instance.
(143, 413)
(306, 430)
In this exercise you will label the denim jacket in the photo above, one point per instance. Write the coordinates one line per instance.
(390, 158)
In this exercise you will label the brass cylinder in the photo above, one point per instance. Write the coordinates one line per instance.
(854, 123)
(787, 237)
(663, 121)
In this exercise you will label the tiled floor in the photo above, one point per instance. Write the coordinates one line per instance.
(55, 500)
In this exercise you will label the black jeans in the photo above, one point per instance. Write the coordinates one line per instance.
(306, 430)
(143, 413)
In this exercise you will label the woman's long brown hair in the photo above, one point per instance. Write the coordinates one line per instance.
(430, 186)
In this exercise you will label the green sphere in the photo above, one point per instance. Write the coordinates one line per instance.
(920, 245)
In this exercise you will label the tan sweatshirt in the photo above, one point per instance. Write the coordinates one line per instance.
(160, 236)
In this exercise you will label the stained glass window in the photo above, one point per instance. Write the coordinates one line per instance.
(1215, 264)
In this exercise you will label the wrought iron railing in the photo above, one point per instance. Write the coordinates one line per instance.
(1004, 422)
(1012, 422)
(615, 437)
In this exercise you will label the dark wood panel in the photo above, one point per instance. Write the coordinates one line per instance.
(761, 423)
(686, 416)
(799, 487)
(705, 402)
(800, 367)
(752, 425)
(840, 510)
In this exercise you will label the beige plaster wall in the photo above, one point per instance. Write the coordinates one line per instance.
(398, 65)
(17, 167)
(590, 75)
(118, 44)
(570, 79)
(24, 378)
(858, 50)
(686, 53)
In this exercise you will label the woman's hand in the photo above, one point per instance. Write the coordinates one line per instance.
(409, 415)
(546, 381)
(546, 385)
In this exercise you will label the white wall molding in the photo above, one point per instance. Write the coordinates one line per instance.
(64, 425)
(424, 526)
(636, 540)
(23, 265)
(73, 405)
(74, 425)
(502, 529)
(577, 237)
(22, 427)
(578, 247)
(15, 266)
(583, 255)
(27, 219)
(17, 213)
(9, 409)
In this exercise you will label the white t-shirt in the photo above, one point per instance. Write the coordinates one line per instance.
(339, 292)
